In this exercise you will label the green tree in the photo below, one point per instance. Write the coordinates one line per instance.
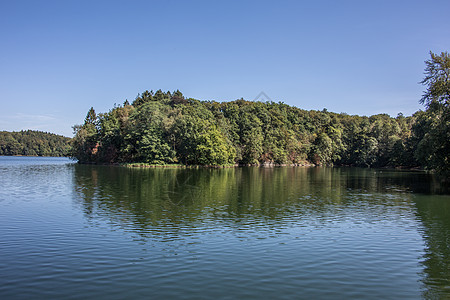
(85, 142)
(33, 143)
(91, 117)
(437, 81)
(111, 131)
(367, 152)
(199, 140)
(322, 151)
(146, 135)
(433, 149)
(165, 127)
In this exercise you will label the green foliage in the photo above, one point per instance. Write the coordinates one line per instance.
(437, 81)
(432, 133)
(33, 143)
(112, 126)
(199, 140)
(432, 129)
(322, 151)
(147, 136)
(166, 128)
(91, 117)
(85, 142)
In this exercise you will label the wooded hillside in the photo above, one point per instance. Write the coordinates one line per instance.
(33, 143)
(166, 128)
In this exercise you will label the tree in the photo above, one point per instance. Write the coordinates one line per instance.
(31, 142)
(91, 117)
(322, 151)
(199, 140)
(146, 137)
(164, 128)
(437, 81)
(433, 149)
(85, 142)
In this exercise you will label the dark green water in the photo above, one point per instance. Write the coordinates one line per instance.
(97, 232)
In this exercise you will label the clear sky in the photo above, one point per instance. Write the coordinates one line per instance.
(59, 58)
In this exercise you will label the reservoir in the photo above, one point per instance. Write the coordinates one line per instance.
(70, 231)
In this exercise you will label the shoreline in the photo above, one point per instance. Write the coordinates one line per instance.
(266, 165)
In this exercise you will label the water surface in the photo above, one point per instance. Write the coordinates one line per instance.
(73, 231)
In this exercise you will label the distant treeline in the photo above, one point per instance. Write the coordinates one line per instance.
(33, 143)
(166, 128)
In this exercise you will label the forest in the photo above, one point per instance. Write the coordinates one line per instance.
(161, 128)
(33, 143)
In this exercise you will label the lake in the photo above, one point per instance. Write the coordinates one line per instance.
(70, 231)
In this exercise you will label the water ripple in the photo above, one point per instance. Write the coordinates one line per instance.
(70, 231)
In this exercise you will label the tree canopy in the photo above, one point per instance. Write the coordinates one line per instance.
(433, 126)
(165, 128)
(33, 143)
(437, 81)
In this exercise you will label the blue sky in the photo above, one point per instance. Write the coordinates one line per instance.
(59, 58)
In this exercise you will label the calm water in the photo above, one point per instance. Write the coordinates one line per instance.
(71, 231)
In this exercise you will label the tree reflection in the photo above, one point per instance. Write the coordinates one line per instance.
(434, 213)
(172, 204)
(145, 198)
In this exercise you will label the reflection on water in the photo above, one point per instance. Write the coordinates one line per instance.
(281, 233)
(167, 204)
(152, 196)
(149, 197)
(434, 213)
